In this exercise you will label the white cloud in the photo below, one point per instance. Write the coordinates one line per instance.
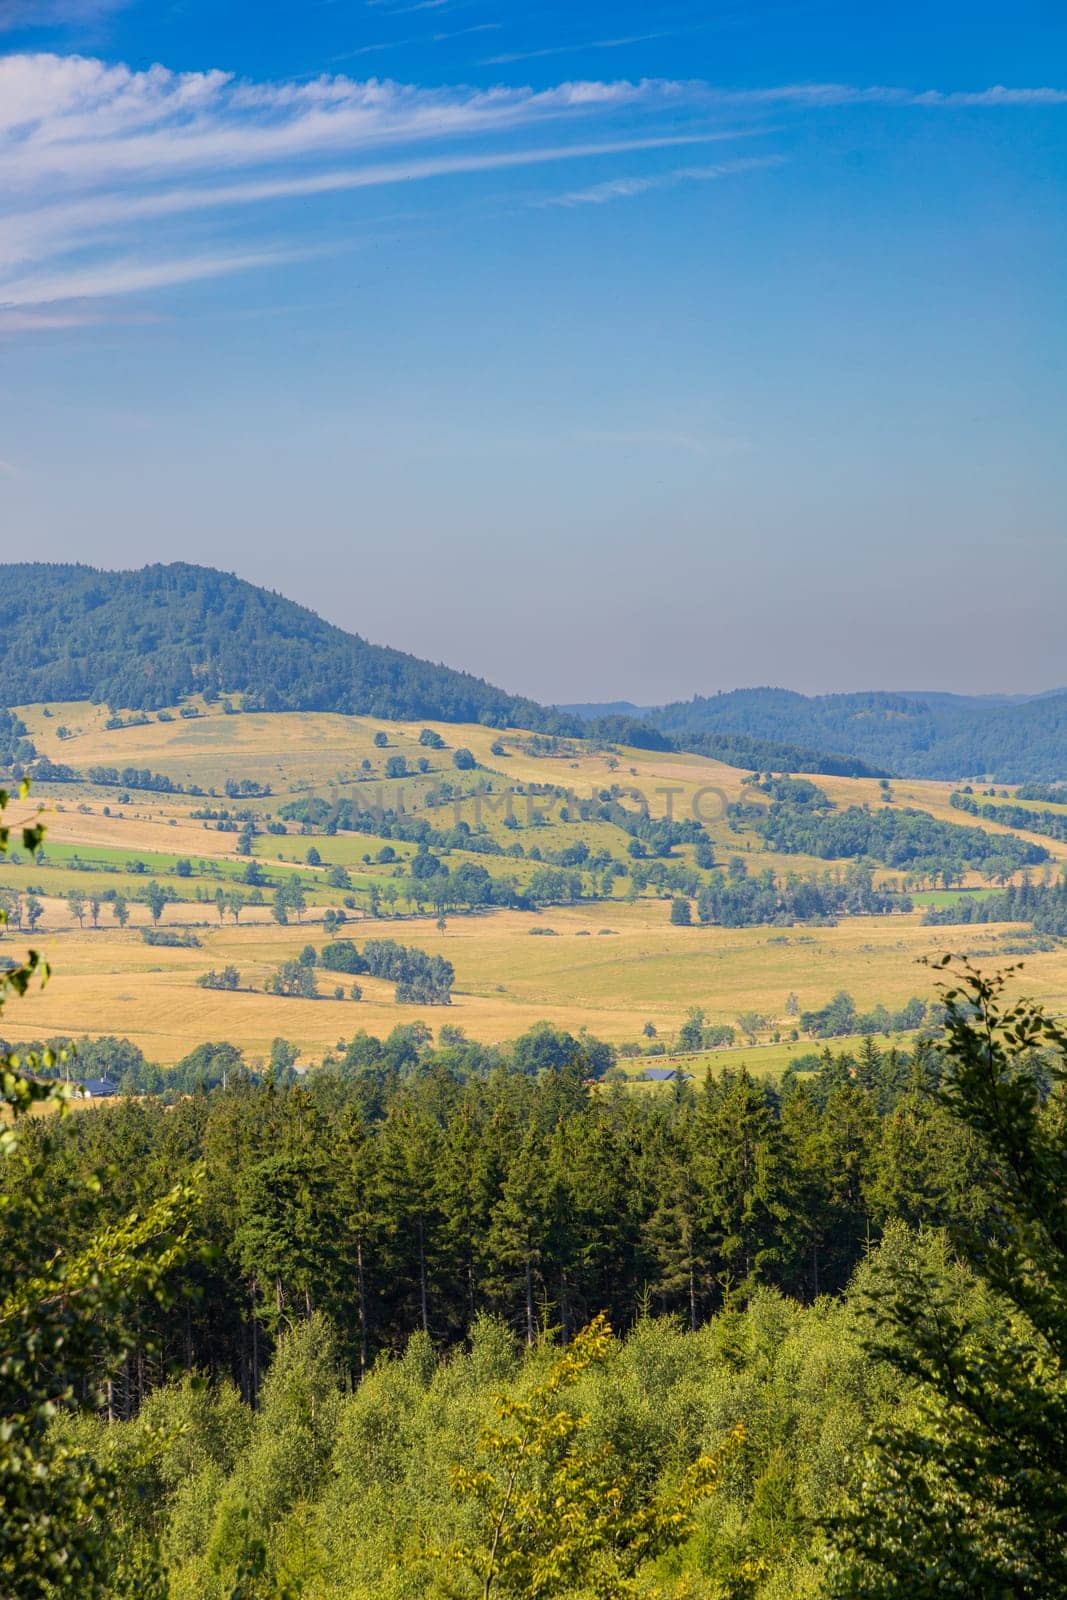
(94, 157)
(52, 13)
(31, 321)
(130, 277)
(75, 119)
(997, 96)
(841, 94)
(599, 194)
(475, 27)
(34, 235)
(511, 56)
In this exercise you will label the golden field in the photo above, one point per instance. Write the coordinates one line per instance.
(301, 753)
(109, 981)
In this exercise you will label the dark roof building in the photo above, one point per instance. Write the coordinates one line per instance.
(97, 1088)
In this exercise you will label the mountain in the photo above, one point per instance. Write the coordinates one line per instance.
(145, 639)
(589, 711)
(1007, 739)
(148, 638)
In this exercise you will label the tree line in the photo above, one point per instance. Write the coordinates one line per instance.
(419, 1196)
(899, 838)
(1053, 824)
(915, 735)
(738, 898)
(1042, 905)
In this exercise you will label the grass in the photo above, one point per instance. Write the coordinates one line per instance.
(949, 897)
(109, 981)
(760, 1060)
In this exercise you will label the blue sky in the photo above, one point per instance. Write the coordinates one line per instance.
(609, 352)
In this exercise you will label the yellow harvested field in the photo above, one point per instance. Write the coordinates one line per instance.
(298, 753)
(109, 981)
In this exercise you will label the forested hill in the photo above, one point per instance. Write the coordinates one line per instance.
(914, 735)
(145, 639)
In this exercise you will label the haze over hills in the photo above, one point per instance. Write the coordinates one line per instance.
(1008, 739)
(145, 639)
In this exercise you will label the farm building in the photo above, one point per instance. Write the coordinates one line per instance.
(97, 1088)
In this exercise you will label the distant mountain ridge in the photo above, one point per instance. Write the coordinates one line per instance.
(145, 639)
(1007, 739)
(148, 638)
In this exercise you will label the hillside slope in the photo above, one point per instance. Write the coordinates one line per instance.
(917, 735)
(145, 639)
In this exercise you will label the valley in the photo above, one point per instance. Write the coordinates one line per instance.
(581, 938)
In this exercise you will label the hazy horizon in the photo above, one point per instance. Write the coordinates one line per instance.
(606, 354)
(622, 700)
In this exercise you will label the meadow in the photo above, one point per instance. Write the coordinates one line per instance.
(609, 965)
(607, 968)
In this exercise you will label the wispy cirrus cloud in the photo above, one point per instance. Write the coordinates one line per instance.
(96, 157)
(813, 95)
(380, 45)
(20, 320)
(121, 277)
(599, 194)
(43, 233)
(474, 27)
(511, 56)
(15, 14)
(70, 118)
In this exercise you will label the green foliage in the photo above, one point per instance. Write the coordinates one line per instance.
(149, 638)
(294, 979)
(227, 978)
(740, 899)
(559, 1514)
(16, 748)
(966, 1493)
(898, 837)
(68, 1316)
(341, 955)
(383, 1491)
(1043, 906)
(918, 735)
(371, 1239)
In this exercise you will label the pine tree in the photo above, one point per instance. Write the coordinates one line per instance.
(517, 1234)
(742, 1169)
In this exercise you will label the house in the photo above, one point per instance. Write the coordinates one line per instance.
(97, 1088)
(664, 1074)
